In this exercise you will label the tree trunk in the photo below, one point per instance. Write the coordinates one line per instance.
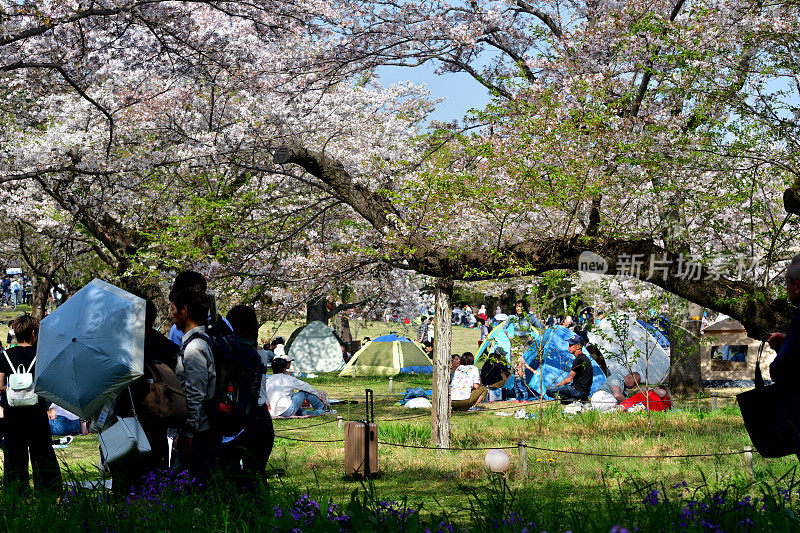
(344, 330)
(685, 376)
(440, 423)
(317, 309)
(40, 289)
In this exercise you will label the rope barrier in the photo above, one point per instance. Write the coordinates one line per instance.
(481, 448)
(528, 446)
(310, 441)
(410, 417)
(552, 450)
(415, 446)
(718, 454)
(309, 425)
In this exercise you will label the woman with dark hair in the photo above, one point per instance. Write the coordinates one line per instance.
(466, 390)
(27, 428)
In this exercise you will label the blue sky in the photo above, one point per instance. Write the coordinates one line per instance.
(460, 91)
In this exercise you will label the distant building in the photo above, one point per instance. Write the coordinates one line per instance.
(727, 353)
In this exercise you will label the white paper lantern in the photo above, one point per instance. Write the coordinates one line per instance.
(497, 460)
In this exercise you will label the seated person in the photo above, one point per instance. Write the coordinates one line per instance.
(465, 387)
(614, 391)
(577, 384)
(428, 347)
(62, 422)
(658, 399)
(495, 372)
(455, 362)
(282, 399)
(520, 386)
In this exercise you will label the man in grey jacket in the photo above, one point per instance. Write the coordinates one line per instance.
(198, 444)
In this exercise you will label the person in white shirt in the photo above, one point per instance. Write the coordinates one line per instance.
(281, 398)
(466, 390)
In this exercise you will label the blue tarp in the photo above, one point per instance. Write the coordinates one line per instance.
(417, 370)
(556, 360)
(391, 337)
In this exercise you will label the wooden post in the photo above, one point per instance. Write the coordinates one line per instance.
(523, 460)
(339, 422)
(354, 370)
(714, 403)
(391, 384)
(748, 463)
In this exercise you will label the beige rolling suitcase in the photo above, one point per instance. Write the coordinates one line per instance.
(361, 444)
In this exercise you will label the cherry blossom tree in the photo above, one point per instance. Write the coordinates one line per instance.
(251, 140)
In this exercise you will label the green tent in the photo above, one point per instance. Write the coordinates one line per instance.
(386, 356)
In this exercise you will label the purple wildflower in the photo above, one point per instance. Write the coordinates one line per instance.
(651, 498)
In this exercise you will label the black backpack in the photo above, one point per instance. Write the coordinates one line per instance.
(239, 369)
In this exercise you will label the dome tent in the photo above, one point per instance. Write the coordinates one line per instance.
(499, 337)
(314, 348)
(551, 344)
(628, 347)
(556, 359)
(386, 356)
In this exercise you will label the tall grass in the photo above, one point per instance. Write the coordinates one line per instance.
(175, 502)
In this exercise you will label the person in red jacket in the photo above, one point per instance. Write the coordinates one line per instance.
(658, 398)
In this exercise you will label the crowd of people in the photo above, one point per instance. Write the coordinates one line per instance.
(211, 357)
(575, 386)
(226, 417)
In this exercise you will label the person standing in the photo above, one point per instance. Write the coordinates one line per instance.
(198, 443)
(245, 455)
(6, 290)
(422, 332)
(127, 475)
(484, 330)
(27, 428)
(16, 288)
(521, 390)
(785, 368)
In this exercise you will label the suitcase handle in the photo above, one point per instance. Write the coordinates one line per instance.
(370, 406)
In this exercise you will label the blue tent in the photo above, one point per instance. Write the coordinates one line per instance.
(551, 343)
(499, 337)
(657, 334)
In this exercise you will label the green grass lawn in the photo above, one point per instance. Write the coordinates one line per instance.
(436, 479)
(563, 490)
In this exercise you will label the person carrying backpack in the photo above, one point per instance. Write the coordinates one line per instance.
(15, 293)
(244, 422)
(25, 413)
(198, 444)
(160, 403)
